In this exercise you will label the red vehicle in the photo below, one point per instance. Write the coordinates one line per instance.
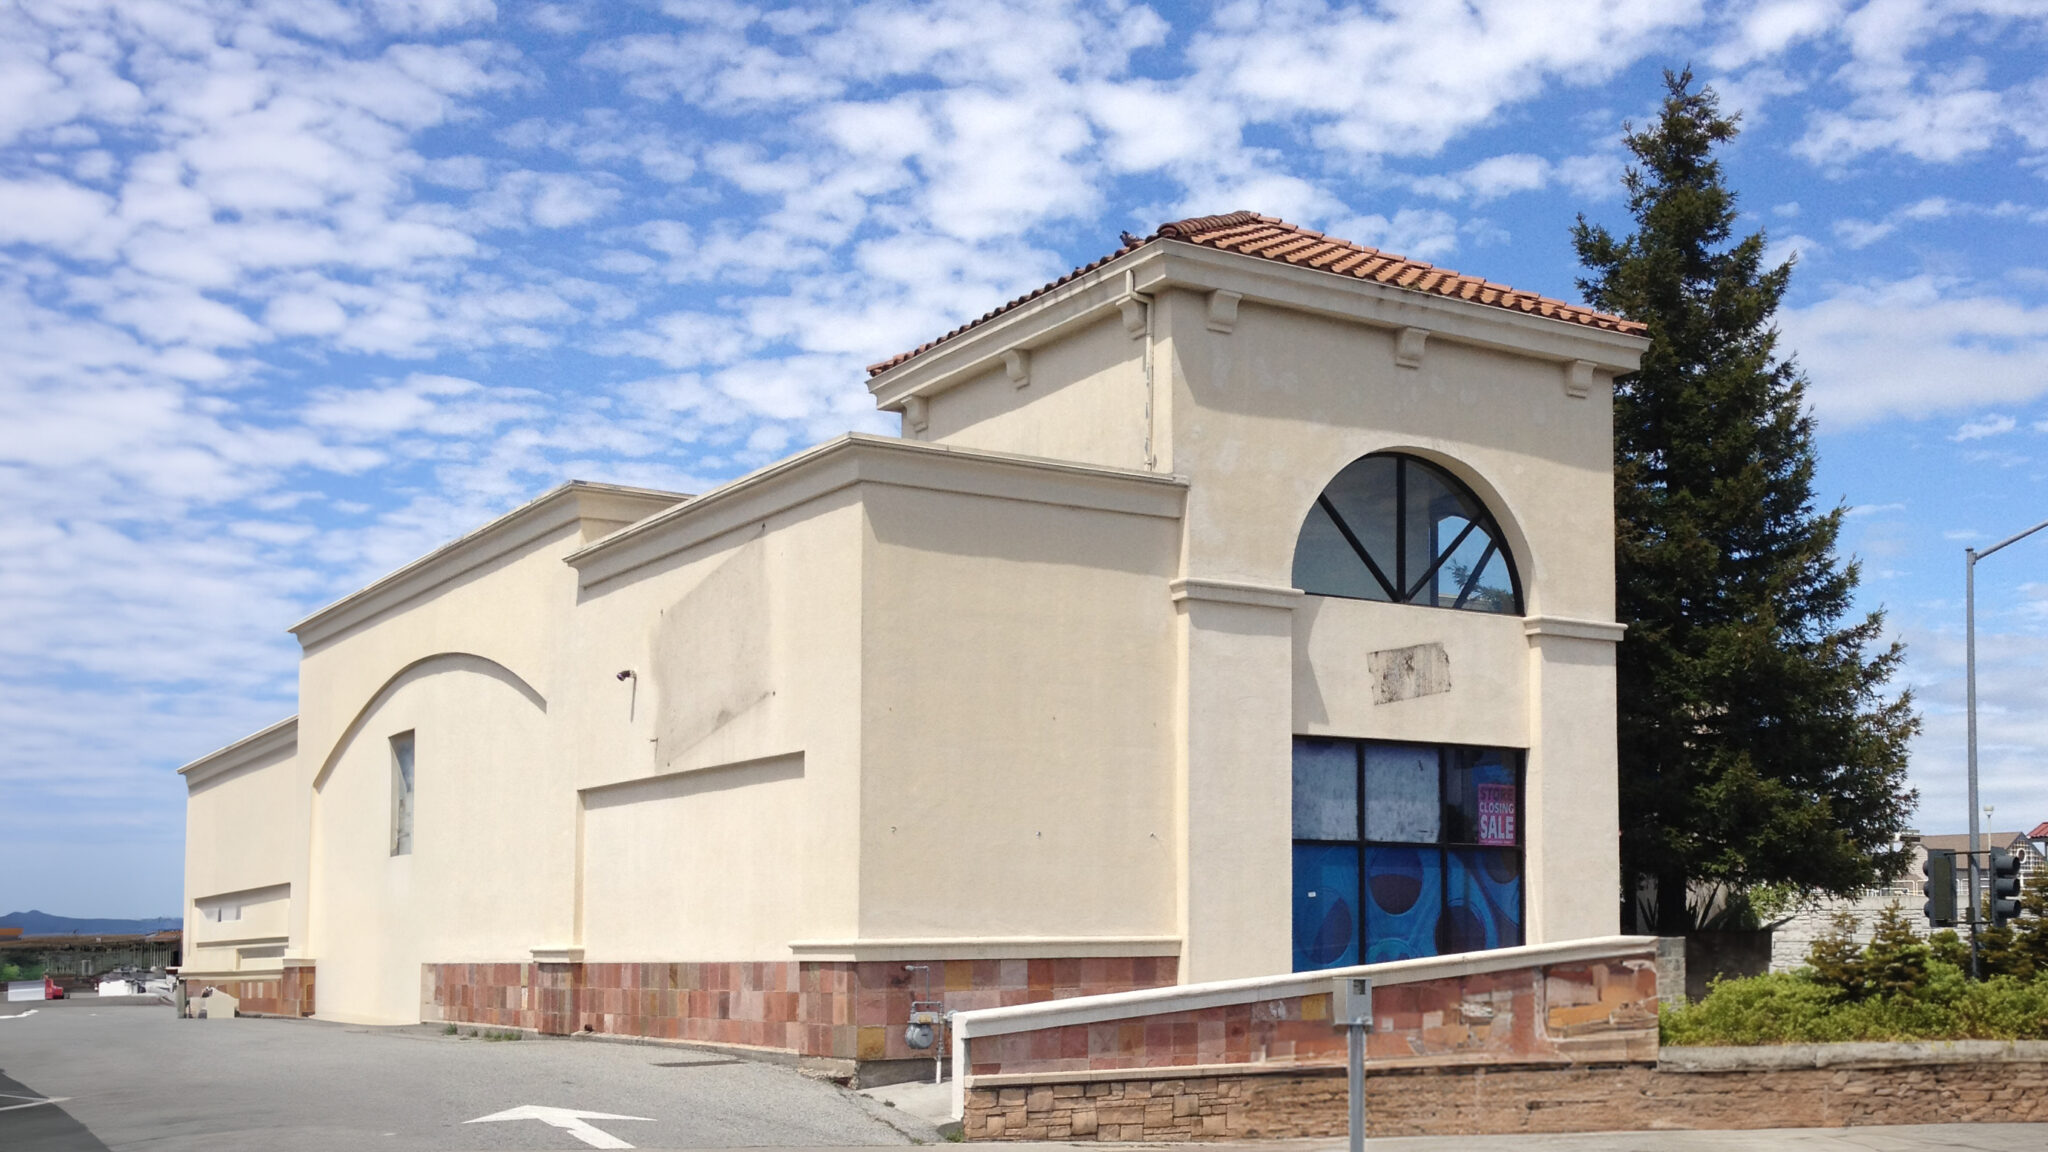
(50, 990)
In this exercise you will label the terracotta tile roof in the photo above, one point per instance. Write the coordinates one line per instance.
(1251, 234)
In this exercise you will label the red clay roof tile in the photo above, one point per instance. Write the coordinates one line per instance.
(1251, 234)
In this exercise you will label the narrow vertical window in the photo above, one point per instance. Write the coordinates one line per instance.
(401, 794)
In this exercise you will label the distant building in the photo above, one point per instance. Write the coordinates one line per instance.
(1791, 941)
(1240, 603)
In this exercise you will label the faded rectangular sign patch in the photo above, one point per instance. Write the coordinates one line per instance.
(1405, 673)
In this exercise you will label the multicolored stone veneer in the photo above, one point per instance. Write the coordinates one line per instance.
(847, 1010)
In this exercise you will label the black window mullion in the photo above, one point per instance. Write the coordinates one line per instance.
(1472, 581)
(1443, 853)
(1358, 546)
(1358, 767)
(1401, 525)
(1441, 556)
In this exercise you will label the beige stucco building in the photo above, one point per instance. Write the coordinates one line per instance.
(1242, 602)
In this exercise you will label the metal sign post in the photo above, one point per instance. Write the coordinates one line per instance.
(1351, 1010)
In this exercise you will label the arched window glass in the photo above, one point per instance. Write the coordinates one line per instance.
(1404, 531)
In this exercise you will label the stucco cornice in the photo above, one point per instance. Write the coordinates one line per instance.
(1080, 301)
(561, 508)
(281, 738)
(1173, 264)
(1234, 592)
(986, 947)
(858, 458)
(1605, 631)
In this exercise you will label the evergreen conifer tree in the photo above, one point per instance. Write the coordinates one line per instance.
(1758, 744)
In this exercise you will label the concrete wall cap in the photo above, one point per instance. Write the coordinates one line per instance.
(282, 736)
(1779, 1057)
(857, 458)
(1189, 997)
(536, 520)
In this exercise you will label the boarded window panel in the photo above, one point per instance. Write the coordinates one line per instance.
(1402, 800)
(1325, 906)
(1325, 790)
(1403, 901)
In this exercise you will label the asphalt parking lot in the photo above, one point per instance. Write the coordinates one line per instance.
(126, 1075)
(130, 1075)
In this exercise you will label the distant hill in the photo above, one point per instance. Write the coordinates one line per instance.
(34, 923)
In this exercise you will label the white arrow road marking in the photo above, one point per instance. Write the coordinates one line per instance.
(568, 1120)
(32, 1103)
(19, 1015)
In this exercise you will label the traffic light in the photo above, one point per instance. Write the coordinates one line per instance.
(2005, 888)
(1940, 888)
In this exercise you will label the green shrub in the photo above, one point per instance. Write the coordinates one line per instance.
(1897, 987)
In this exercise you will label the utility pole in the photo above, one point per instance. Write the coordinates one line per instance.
(1970, 558)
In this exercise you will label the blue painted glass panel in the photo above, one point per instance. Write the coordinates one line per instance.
(1325, 790)
(1403, 901)
(1483, 900)
(1325, 906)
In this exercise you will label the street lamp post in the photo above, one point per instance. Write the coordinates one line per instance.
(1971, 556)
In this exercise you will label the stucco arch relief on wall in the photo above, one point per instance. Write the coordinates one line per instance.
(440, 662)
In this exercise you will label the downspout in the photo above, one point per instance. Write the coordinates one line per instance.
(1131, 301)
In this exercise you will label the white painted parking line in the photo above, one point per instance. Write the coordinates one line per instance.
(568, 1120)
(19, 1015)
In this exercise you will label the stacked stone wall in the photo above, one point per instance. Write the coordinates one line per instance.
(1490, 1100)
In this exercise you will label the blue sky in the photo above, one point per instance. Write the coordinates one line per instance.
(293, 292)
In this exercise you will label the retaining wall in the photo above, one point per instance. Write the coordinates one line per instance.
(1802, 1086)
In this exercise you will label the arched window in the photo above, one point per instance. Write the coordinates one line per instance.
(1404, 531)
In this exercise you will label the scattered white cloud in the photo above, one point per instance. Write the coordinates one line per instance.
(1933, 110)
(1791, 246)
(1765, 30)
(1916, 346)
(2012, 694)
(1993, 425)
(291, 293)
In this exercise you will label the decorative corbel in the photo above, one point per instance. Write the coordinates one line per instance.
(1578, 379)
(1408, 347)
(1017, 362)
(917, 414)
(1132, 306)
(1223, 310)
